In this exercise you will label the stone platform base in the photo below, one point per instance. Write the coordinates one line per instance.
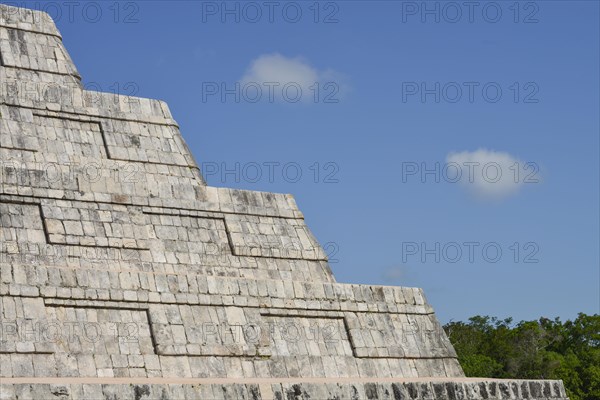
(267, 389)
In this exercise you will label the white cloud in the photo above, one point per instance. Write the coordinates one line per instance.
(490, 174)
(284, 75)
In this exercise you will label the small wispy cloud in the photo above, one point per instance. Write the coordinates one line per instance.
(293, 78)
(396, 274)
(490, 174)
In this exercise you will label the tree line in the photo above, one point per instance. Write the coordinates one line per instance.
(542, 349)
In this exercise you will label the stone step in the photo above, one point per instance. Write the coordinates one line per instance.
(323, 389)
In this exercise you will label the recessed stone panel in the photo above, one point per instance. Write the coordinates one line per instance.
(68, 137)
(95, 224)
(183, 239)
(28, 326)
(208, 331)
(29, 50)
(109, 331)
(145, 142)
(20, 223)
(308, 336)
(270, 237)
(380, 335)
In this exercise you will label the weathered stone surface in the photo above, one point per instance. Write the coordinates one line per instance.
(119, 264)
(431, 390)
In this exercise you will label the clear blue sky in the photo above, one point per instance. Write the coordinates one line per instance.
(376, 54)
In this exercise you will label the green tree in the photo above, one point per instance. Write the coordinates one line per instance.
(543, 349)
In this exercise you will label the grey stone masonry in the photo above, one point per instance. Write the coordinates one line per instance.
(433, 389)
(124, 276)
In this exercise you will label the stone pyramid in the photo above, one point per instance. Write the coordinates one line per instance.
(124, 276)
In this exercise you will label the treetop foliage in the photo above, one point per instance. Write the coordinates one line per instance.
(542, 349)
